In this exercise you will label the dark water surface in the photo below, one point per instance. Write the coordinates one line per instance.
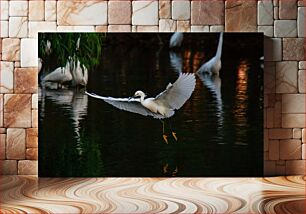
(219, 129)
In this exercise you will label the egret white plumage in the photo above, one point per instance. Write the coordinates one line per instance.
(176, 40)
(59, 75)
(213, 66)
(79, 73)
(162, 106)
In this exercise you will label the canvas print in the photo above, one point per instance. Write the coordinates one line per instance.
(150, 104)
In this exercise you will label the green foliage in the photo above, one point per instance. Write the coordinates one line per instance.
(64, 45)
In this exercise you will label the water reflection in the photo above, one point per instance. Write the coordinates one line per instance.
(197, 59)
(213, 84)
(72, 101)
(241, 101)
(187, 61)
(176, 62)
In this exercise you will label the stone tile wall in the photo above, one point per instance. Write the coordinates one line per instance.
(281, 20)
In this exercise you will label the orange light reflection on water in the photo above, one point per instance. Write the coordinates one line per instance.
(241, 98)
(197, 60)
(186, 61)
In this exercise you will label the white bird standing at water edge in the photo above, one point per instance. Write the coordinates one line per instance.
(59, 75)
(79, 74)
(176, 40)
(162, 106)
(73, 71)
(213, 66)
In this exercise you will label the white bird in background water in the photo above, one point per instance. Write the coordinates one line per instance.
(79, 74)
(73, 71)
(176, 40)
(213, 66)
(58, 76)
(162, 106)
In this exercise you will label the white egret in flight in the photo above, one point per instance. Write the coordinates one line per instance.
(213, 66)
(176, 40)
(162, 106)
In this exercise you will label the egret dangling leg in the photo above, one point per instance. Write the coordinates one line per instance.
(164, 135)
(173, 133)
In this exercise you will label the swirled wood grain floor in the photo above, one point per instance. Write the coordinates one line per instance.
(139, 195)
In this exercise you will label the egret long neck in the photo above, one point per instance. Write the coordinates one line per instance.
(219, 50)
(142, 98)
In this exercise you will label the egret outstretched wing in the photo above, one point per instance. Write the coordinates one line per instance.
(127, 104)
(178, 93)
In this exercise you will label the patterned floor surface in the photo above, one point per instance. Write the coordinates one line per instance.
(152, 195)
